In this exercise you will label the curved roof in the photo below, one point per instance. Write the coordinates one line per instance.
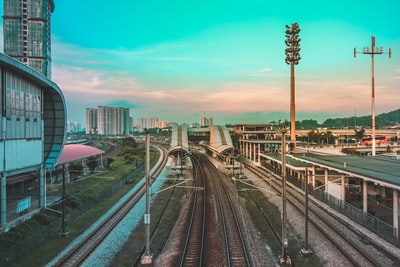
(74, 152)
(220, 139)
(179, 141)
(54, 109)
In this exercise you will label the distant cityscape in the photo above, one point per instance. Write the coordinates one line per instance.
(105, 120)
(117, 121)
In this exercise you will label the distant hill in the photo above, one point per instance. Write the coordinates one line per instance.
(384, 120)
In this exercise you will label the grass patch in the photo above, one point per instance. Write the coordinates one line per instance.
(274, 216)
(88, 199)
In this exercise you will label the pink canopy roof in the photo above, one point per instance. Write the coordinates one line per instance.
(74, 152)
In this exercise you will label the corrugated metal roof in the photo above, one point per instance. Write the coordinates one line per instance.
(74, 152)
(370, 168)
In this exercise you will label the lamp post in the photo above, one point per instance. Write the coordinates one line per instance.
(292, 58)
(373, 50)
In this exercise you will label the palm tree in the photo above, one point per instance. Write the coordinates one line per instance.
(359, 134)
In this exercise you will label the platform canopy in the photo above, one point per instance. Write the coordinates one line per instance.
(72, 152)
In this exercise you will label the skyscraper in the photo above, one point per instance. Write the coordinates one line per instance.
(26, 29)
(108, 121)
(206, 121)
(91, 121)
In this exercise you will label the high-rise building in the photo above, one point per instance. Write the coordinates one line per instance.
(206, 121)
(147, 123)
(73, 126)
(91, 121)
(26, 32)
(161, 124)
(108, 121)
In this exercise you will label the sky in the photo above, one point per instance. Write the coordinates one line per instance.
(180, 60)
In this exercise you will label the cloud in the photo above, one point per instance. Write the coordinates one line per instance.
(229, 69)
(261, 72)
(96, 85)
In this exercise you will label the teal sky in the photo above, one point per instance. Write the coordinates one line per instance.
(180, 60)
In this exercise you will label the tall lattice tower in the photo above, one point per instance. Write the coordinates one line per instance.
(26, 30)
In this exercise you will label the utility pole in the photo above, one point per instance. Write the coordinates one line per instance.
(373, 50)
(147, 257)
(292, 58)
(284, 259)
(64, 232)
(306, 251)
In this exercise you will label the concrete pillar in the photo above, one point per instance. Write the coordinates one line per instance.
(326, 180)
(343, 190)
(306, 177)
(259, 152)
(313, 176)
(365, 196)
(42, 186)
(3, 194)
(396, 213)
(250, 151)
(3, 184)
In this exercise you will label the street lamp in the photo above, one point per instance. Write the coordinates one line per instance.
(292, 58)
(373, 50)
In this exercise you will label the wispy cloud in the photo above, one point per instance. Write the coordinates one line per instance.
(220, 70)
(261, 72)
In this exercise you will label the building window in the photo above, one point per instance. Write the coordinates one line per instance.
(23, 108)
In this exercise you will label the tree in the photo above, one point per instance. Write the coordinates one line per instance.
(75, 170)
(328, 137)
(359, 134)
(91, 163)
(109, 160)
(314, 136)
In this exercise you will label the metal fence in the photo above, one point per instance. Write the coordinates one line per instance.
(54, 228)
(369, 221)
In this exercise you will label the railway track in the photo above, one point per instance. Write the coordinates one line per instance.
(192, 249)
(340, 235)
(212, 233)
(81, 251)
(236, 251)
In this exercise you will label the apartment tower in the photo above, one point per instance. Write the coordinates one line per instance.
(108, 121)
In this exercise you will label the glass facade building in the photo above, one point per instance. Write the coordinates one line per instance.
(32, 137)
(33, 117)
(26, 30)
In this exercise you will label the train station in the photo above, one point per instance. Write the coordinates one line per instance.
(32, 138)
(364, 188)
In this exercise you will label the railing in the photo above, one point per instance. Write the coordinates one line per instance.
(369, 221)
